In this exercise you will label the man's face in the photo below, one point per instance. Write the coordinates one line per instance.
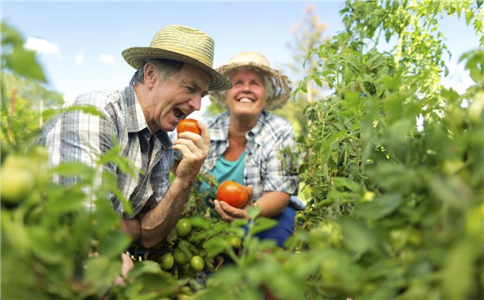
(177, 96)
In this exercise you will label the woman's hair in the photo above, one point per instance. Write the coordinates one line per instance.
(267, 82)
(166, 68)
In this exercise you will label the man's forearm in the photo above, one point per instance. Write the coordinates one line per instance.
(159, 221)
(131, 227)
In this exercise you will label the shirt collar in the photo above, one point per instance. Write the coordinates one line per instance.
(221, 131)
(135, 118)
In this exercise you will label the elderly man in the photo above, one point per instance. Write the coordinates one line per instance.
(173, 74)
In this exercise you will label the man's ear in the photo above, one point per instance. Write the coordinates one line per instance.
(150, 74)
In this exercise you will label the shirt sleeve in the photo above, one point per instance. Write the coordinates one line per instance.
(281, 172)
(80, 137)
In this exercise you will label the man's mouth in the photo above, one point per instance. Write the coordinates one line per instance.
(179, 114)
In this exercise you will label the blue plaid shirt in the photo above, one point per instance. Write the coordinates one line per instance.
(81, 137)
(264, 168)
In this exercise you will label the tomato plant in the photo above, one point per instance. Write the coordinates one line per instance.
(190, 125)
(232, 193)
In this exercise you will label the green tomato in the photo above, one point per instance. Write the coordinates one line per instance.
(183, 227)
(180, 257)
(167, 261)
(197, 263)
(476, 107)
(186, 291)
(16, 179)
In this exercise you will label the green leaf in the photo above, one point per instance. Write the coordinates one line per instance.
(357, 236)
(239, 223)
(145, 267)
(219, 226)
(100, 273)
(200, 222)
(113, 244)
(87, 109)
(253, 212)
(23, 62)
(215, 245)
(69, 201)
(469, 16)
(74, 168)
(458, 272)
(380, 207)
(185, 247)
(340, 182)
(262, 224)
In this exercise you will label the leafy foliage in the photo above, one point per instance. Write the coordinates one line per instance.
(392, 167)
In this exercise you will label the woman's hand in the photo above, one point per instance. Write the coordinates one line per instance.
(229, 213)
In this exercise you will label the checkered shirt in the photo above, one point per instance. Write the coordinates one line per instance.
(82, 137)
(263, 167)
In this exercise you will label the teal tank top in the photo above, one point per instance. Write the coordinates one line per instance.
(225, 170)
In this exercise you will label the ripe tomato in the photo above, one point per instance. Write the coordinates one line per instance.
(183, 227)
(232, 193)
(167, 261)
(197, 263)
(188, 125)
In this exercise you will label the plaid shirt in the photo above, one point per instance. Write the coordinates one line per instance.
(263, 167)
(81, 137)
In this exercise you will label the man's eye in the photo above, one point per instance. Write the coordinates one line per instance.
(190, 89)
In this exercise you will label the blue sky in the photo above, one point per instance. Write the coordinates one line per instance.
(81, 42)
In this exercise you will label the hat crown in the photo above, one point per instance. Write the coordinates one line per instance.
(186, 40)
(250, 58)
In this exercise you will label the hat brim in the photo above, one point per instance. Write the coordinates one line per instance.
(136, 56)
(280, 84)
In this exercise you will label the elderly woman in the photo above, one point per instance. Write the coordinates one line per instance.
(246, 143)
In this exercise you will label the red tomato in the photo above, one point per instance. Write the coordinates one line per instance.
(188, 125)
(233, 193)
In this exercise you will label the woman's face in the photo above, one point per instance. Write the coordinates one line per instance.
(247, 97)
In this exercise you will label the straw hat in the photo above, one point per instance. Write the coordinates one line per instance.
(280, 83)
(184, 44)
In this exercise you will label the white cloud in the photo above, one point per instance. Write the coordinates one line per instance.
(106, 59)
(41, 46)
(79, 57)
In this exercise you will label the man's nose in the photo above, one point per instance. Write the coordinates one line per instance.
(196, 103)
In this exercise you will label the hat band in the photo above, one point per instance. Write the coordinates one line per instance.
(196, 55)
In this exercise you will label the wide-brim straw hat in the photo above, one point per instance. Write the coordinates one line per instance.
(184, 44)
(281, 84)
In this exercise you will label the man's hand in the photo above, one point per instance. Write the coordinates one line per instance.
(159, 221)
(195, 149)
(228, 213)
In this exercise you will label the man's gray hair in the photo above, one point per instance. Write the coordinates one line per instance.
(267, 82)
(165, 67)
